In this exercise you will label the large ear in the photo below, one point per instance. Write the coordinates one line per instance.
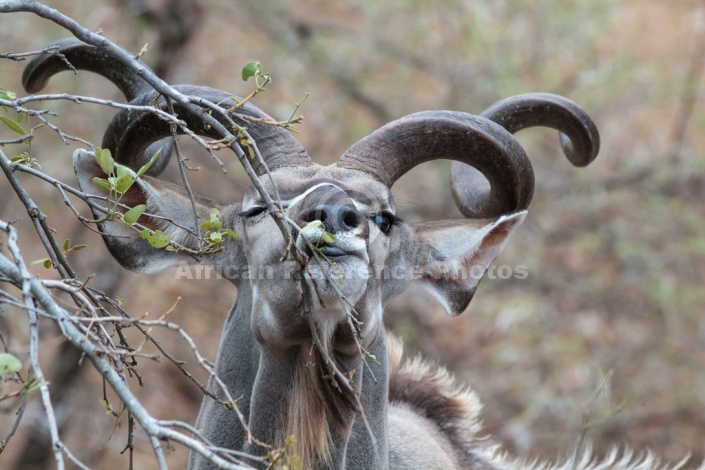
(168, 202)
(455, 254)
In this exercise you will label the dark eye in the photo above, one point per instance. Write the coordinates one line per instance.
(384, 221)
(254, 211)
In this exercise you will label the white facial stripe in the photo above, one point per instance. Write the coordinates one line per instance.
(289, 203)
(300, 197)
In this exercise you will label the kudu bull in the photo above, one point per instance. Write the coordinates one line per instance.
(410, 415)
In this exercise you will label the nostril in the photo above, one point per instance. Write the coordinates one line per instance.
(350, 219)
(335, 218)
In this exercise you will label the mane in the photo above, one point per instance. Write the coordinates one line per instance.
(432, 392)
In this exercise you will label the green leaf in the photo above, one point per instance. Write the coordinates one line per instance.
(156, 239)
(311, 225)
(121, 170)
(130, 217)
(32, 386)
(250, 70)
(66, 246)
(102, 183)
(215, 237)
(9, 364)
(215, 219)
(329, 238)
(229, 233)
(105, 160)
(247, 145)
(372, 356)
(78, 247)
(124, 183)
(151, 161)
(7, 95)
(340, 279)
(43, 261)
(13, 125)
(25, 158)
(47, 263)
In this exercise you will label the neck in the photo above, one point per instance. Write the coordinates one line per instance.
(288, 392)
(295, 396)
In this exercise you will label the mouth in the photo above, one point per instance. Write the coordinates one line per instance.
(332, 251)
(334, 254)
(342, 249)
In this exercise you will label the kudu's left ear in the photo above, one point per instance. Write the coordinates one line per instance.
(169, 202)
(455, 254)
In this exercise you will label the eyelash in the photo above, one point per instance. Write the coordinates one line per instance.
(253, 211)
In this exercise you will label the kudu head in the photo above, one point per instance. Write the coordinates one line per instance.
(360, 252)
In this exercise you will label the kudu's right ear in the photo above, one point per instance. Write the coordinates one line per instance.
(455, 255)
(171, 210)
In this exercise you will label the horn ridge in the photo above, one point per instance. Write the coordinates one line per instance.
(579, 138)
(130, 133)
(132, 137)
(394, 149)
(81, 56)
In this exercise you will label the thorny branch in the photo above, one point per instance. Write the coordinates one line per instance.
(86, 327)
(76, 333)
(89, 303)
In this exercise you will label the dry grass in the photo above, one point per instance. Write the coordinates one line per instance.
(615, 252)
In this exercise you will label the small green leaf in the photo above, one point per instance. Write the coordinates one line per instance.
(156, 239)
(25, 158)
(151, 161)
(105, 160)
(247, 145)
(215, 219)
(47, 263)
(311, 225)
(215, 237)
(102, 183)
(122, 170)
(9, 364)
(250, 70)
(108, 408)
(372, 356)
(32, 386)
(328, 238)
(13, 125)
(340, 279)
(7, 95)
(229, 233)
(78, 247)
(124, 183)
(41, 261)
(130, 217)
(67, 244)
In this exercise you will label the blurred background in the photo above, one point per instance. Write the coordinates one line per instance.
(605, 336)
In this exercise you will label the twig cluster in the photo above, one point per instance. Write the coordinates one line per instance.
(93, 322)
